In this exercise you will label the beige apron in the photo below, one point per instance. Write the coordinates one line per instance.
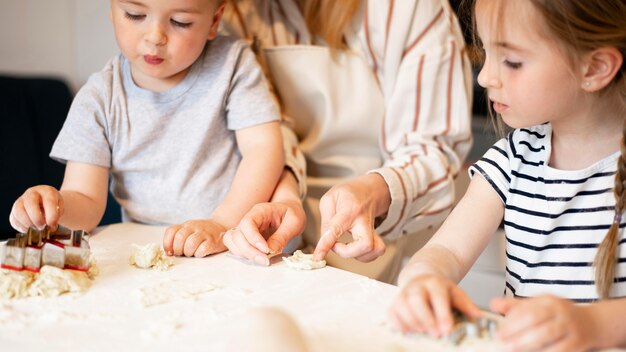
(338, 108)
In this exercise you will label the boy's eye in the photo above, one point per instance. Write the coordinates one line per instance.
(134, 17)
(180, 24)
(513, 65)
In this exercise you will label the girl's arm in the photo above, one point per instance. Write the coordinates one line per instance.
(463, 236)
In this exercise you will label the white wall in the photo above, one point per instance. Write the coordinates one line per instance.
(69, 39)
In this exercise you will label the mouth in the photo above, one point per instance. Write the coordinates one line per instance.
(152, 59)
(498, 107)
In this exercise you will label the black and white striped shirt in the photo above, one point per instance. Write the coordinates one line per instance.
(553, 219)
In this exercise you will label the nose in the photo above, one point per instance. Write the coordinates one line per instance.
(155, 34)
(486, 78)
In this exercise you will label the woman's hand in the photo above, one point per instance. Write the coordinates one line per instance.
(545, 323)
(194, 238)
(278, 221)
(353, 207)
(37, 207)
(425, 305)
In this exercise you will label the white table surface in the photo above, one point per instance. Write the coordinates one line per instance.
(335, 309)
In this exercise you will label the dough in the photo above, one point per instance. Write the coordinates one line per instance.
(266, 329)
(14, 284)
(148, 256)
(49, 282)
(303, 261)
(53, 281)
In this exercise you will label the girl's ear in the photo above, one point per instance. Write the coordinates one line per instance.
(217, 18)
(600, 67)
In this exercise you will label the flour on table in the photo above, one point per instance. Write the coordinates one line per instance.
(49, 282)
(150, 256)
(303, 261)
(169, 291)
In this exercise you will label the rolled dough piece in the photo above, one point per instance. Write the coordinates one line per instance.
(266, 329)
(303, 261)
(150, 256)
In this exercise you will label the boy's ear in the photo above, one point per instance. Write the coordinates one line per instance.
(600, 67)
(217, 18)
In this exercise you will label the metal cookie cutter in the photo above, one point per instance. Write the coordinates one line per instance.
(63, 248)
(484, 327)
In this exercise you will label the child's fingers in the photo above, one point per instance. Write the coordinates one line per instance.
(15, 220)
(192, 242)
(441, 305)
(403, 317)
(464, 303)
(51, 209)
(205, 248)
(180, 237)
(33, 208)
(168, 239)
(419, 300)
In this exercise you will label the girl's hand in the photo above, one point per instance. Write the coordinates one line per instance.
(194, 238)
(545, 323)
(37, 207)
(425, 305)
(279, 222)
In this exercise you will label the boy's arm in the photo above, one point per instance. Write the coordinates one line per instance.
(84, 192)
(462, 237)
(258, 173)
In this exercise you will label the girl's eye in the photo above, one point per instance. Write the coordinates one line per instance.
(513, 65)
(134, 17)
(180, 24)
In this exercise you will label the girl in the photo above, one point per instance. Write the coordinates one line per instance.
(557, 179)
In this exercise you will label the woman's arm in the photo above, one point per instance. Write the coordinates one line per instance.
(418, 52)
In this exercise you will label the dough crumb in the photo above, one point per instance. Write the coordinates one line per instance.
(303, 261)
(150, 256)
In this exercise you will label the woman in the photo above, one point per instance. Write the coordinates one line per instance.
(378, 96)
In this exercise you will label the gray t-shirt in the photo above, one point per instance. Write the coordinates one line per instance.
(172, 155)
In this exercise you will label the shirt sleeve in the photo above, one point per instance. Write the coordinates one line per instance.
(495, 168)
(417, 52)
(84, 136)
(249, 102)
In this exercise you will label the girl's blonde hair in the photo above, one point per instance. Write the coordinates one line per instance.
(328, 19)
(581, 27)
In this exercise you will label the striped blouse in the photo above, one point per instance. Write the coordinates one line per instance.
(416, 51)
(553, 219)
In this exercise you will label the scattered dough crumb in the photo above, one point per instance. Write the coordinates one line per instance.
(172, 291)
(303, 261)
(148, 256)
(49, 282)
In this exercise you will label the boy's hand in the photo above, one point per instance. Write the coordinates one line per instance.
(545, 323)
(197, 238)
(37, 207)
(425, 305)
